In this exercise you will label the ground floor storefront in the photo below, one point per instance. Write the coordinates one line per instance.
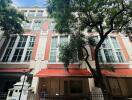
(119, 82)
(9, 77)
(72, 84)
(64, 86)
(76, 84)
(7, 82)
(119, 86)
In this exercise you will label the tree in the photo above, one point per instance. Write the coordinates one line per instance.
(10, 18)
(103, 16)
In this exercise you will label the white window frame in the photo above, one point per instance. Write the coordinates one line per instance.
(35, 26)
(31, 13)
(38, 14)
(14, 49)
(113, 50)
(57, 49)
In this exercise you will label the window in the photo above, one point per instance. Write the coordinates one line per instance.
(100, 56)
(29, 49)
(24, 12)
(39, 13)
(52, 26)
(53, 52)
(9, 49)
(31, 13)
(110, 51)
(27, 25)
(37, 25)
(57, 41)
(119, 55)
(19, 49)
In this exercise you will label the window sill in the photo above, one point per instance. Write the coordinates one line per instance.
(61, 63)
(114, 63)
(14, 62)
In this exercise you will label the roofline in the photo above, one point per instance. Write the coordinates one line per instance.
(31, 7)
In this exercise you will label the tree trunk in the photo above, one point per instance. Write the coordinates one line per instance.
(99, 77)
(88, 64)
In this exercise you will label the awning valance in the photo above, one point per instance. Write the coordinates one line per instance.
(15, 70)
(118, 73)
(63, 73)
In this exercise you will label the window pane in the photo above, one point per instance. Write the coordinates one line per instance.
(7, 54)
(24, 12)
(100, 56)
(29, 49)
(53, 56)
(27, 25)
(114, 42)
(63, 40)
(17, 55)
(18, 58)
(14, 58)
(37, 25)
(22, 41)
(54, 43)
(40, 13)
(31, 13)
(119, 55)
(9, 49)
(16, 52)
(106, 44)
(19, 50)
(28, 55)
(109, 55)
(52, 26)
(13, 39)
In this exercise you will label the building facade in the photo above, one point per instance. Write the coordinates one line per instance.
(36, 54)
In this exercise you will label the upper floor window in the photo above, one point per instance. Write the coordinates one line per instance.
(52, 26)
(27, 25)
(37, 25)
(19, 49)
(24, 12)
(40, 13)
(31, 13)
(110, 51)
(29, 49)
(57, 41)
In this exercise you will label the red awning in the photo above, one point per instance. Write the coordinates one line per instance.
(63, 73)
(15, 70)
(118, 73)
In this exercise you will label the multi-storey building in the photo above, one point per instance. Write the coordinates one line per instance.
(36, 52)
(19, 54)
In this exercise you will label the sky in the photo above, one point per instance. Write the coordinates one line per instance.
(29, 3)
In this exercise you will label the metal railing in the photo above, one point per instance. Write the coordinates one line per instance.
(90, 96)
(31, 96)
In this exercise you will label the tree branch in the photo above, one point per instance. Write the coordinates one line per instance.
(86, 60)
(112, 20)
(101, 30)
